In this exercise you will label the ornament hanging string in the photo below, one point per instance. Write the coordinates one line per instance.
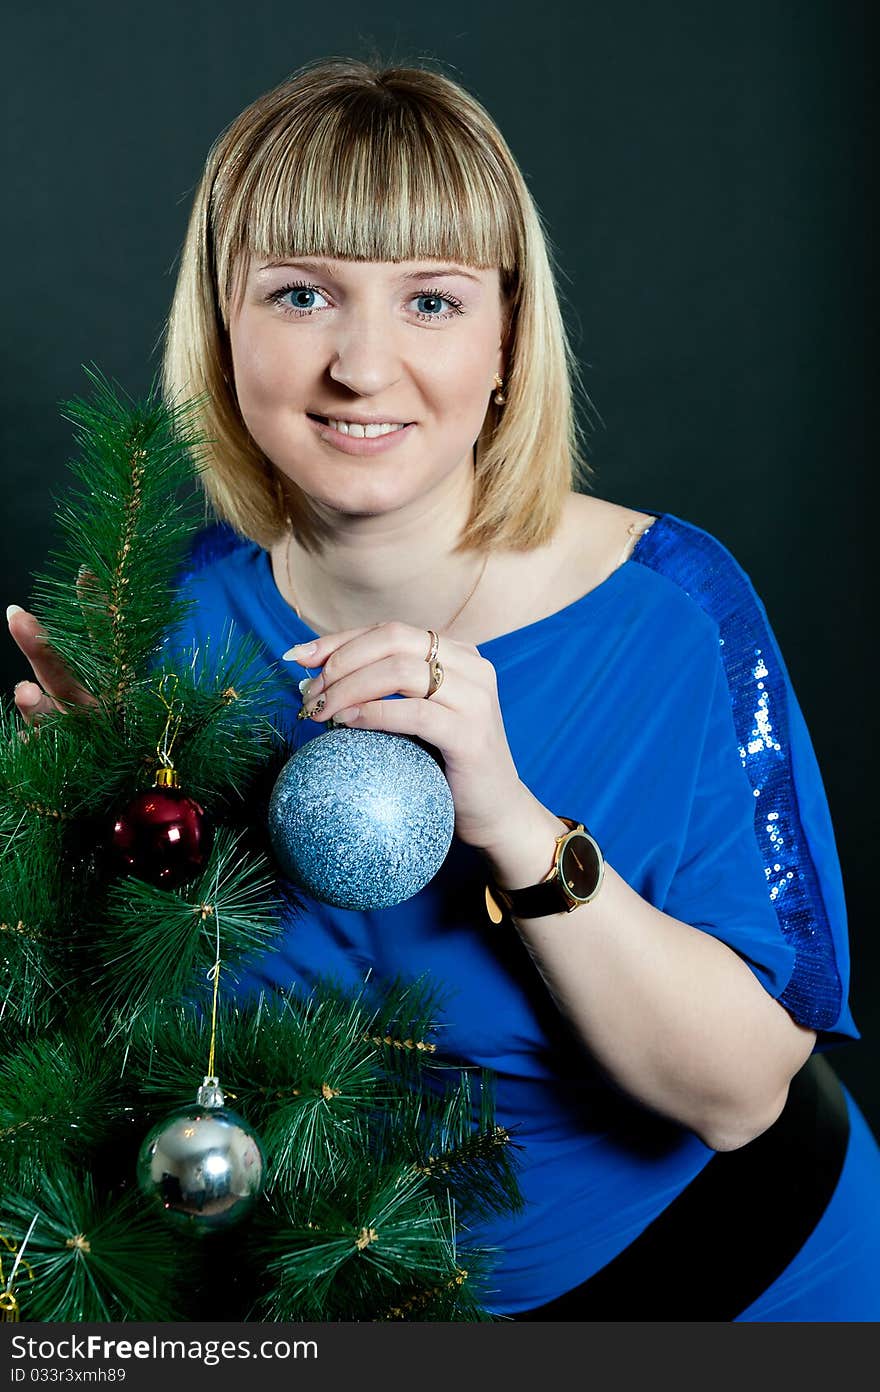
(172, 722)
(214, 975)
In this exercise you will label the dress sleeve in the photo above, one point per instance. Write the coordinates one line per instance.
(759, 806)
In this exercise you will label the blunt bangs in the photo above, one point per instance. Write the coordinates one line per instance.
(362, 177)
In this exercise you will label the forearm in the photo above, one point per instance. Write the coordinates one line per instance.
(673, 1015)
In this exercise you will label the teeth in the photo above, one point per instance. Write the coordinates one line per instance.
(361, 431)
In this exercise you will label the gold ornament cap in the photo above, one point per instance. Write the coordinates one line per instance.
(167, 778)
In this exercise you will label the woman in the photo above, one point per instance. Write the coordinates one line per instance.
(640, 924)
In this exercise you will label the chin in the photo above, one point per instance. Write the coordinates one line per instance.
(351, 509)
(359, 499)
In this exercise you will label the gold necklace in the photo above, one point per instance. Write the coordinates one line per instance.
(449, 622)
(471, 592)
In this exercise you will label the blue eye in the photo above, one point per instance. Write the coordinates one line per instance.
(303, 298)
(430, 300)
(434, 298)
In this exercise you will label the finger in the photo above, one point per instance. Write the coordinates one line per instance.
(49, 671)
(424, 720)
(410, 646)
(32, 702)
(400, 674)
(377, 663)
(362, 645)
(315, 654)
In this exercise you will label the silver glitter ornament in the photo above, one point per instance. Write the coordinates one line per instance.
(361, 819)
(203, 1164)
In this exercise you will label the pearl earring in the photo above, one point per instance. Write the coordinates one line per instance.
(499, 398)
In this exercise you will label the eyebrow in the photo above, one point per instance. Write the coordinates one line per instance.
(323, 268)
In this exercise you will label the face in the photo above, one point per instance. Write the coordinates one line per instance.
(414, 345)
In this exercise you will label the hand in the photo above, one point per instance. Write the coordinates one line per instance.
(54, 689)
(462, 719)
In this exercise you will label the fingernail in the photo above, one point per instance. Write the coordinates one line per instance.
(350, 713)
(13, 609)
(299, 650)
(309, 712)
(311, 686)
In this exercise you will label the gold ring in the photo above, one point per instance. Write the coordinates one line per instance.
(437, 675)
(432, 651)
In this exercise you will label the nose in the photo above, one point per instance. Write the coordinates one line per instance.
(366, 359)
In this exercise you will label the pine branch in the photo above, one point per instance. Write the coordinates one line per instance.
(403, 1027)
(37, 769)
(152, 944)
(366, 1235)
(471, 1159)
(32, 954)
(223, 692)
(58, 1094)
(90, 1259)
(300, 1071)
(106, 601)
(458, 1298)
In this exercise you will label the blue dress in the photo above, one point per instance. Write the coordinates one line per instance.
(656, 709)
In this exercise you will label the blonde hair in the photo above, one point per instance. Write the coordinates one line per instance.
(297, 173)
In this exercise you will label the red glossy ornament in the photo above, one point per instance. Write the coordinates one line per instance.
(162, 836)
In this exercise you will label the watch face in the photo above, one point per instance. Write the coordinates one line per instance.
(580, 867)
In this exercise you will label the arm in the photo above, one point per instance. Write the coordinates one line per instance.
(674, 1016)
(685, 1023)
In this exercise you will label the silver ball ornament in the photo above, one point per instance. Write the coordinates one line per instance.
(202, 1164)
(361, 819)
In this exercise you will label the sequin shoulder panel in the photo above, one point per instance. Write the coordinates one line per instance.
(759, 685)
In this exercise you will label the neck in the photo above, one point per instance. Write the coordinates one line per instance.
(399, 565)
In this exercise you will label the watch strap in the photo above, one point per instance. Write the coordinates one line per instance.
(536, 901)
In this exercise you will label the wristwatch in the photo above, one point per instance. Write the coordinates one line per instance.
(574, 879)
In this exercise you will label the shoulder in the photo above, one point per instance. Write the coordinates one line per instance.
(703, 569)
(676, 569)
(684, 582)
(602, 528)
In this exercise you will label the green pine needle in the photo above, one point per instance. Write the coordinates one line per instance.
(106, 603)
(38, 777)
(90, 1259)
(368, 1231)
(32, 953)
(58, 1097)
(470, 1158)
(219, 693)
(152, 944)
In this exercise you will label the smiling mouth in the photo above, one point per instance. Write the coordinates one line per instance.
(358, 431)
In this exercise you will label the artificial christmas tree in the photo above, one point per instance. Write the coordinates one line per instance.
(170, 1150)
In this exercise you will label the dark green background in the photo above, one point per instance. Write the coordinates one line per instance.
(700, 167)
